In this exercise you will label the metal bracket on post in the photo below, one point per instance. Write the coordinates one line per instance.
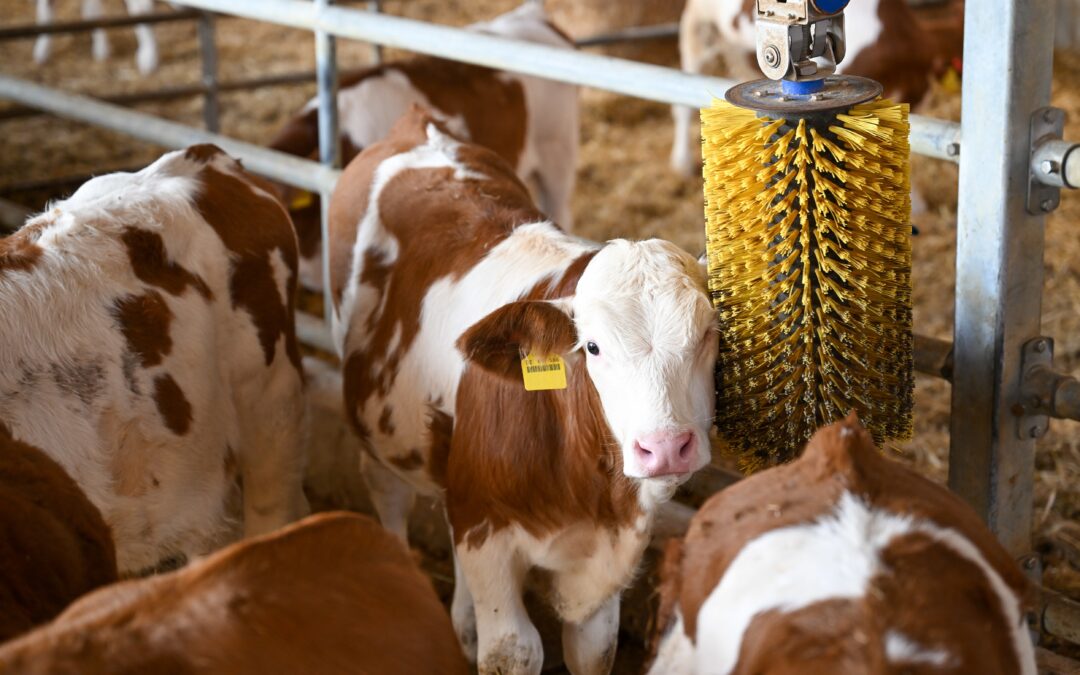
(1033, 410)
(1044, 193)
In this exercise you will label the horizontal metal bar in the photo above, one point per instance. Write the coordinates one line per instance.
(929, 136)
(270, 163)
(32, 30)
(182, 91)
(1056, 163)
(633, 34)
(933, 357)
(1051, 393)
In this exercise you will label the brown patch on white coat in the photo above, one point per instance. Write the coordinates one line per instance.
(842, 561)
(531, 123)
(434, 238)
(151, 328)
(334, 593)
(54, 546)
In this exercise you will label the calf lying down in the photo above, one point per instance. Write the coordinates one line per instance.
(841, 562)
(444, 275)
(54, 546)
(334, 593)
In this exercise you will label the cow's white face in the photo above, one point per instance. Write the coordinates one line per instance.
(649, 336)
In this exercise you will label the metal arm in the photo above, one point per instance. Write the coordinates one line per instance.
(799, 40)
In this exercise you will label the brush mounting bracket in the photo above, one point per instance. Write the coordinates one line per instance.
(799, 39)
(839, 93)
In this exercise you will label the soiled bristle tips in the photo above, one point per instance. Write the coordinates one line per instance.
(808, 238)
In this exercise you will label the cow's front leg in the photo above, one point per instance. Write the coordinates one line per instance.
(463, 613)
(589, 646)
(507, 642)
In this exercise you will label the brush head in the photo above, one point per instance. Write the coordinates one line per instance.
(810, 267)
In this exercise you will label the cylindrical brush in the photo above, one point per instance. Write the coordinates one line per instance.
(807, 204)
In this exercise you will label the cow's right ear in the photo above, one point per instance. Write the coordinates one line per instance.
(497, 342)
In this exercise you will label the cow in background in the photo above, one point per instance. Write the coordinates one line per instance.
(841, 562)
(530, 122)
(149, 349)
(146, 58)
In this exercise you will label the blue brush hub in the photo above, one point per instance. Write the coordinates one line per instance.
(801, 88)
(830, 6)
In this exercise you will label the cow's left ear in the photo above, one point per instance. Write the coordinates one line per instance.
(497, 342)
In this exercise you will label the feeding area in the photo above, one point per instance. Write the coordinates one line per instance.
(778, 383)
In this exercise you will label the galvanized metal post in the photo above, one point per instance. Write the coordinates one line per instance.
(999, 257)
(376, 48)
(326, 76)
(208, 55)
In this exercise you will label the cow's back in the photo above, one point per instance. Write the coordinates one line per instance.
(54, 545)
(428, 236)
(333, 594)
(149, 315)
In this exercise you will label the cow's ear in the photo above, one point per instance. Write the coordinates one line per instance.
(497, 342)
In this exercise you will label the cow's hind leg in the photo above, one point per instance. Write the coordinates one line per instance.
(589, 646)
(146, 58)
(272, 457)
(391, 496)
(43, 44)
(507, 641)
(99, 39)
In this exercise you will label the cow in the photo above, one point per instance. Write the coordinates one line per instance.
(444, 274)
(150, 350)
(334, 593)
(841, 562)
(530, 122)
(146, 58)
(886, 42)
(54, 545)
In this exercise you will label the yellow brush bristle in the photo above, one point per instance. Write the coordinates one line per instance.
(808, 237)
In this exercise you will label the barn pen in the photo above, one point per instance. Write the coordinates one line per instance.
(1012, 168)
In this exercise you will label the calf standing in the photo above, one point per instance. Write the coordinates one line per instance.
(54, 546)
(333, 594)
(841, 562)
(531, 123)
(147, 56)
(444, 274)
(149, 348)
(885, 42)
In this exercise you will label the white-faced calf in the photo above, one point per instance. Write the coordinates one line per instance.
(54, 546)
(149, 348)
(444, 276)
(530, 122)
(333, 594)
(841, 562)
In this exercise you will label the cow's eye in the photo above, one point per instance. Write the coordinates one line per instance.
(593, 349)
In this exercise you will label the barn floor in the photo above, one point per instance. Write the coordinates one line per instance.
(625, 189)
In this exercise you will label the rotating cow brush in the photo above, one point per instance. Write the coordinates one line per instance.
(807, 201)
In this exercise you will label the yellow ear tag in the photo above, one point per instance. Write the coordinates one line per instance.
(543, 372)
(301, 200)
(950, 81)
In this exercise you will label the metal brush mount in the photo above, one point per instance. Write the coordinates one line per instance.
(799, 44)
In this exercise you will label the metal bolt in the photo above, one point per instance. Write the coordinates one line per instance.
(1040, 345)
(769, 12)
(952, 149)
(1048, 115)
(1048, 166)
(1034, 432)
(772, 56)
(1047, 205)
(1030, 562)
(816, 97)
(758, 93)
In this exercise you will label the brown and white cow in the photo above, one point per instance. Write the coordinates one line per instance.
(886, 42)
(444, 274)
(54, 545)
(841, 562)
(332, 594)
(146, 58)
(530, 122)
(149, 348)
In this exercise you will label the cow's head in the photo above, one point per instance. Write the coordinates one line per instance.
(641, 324)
